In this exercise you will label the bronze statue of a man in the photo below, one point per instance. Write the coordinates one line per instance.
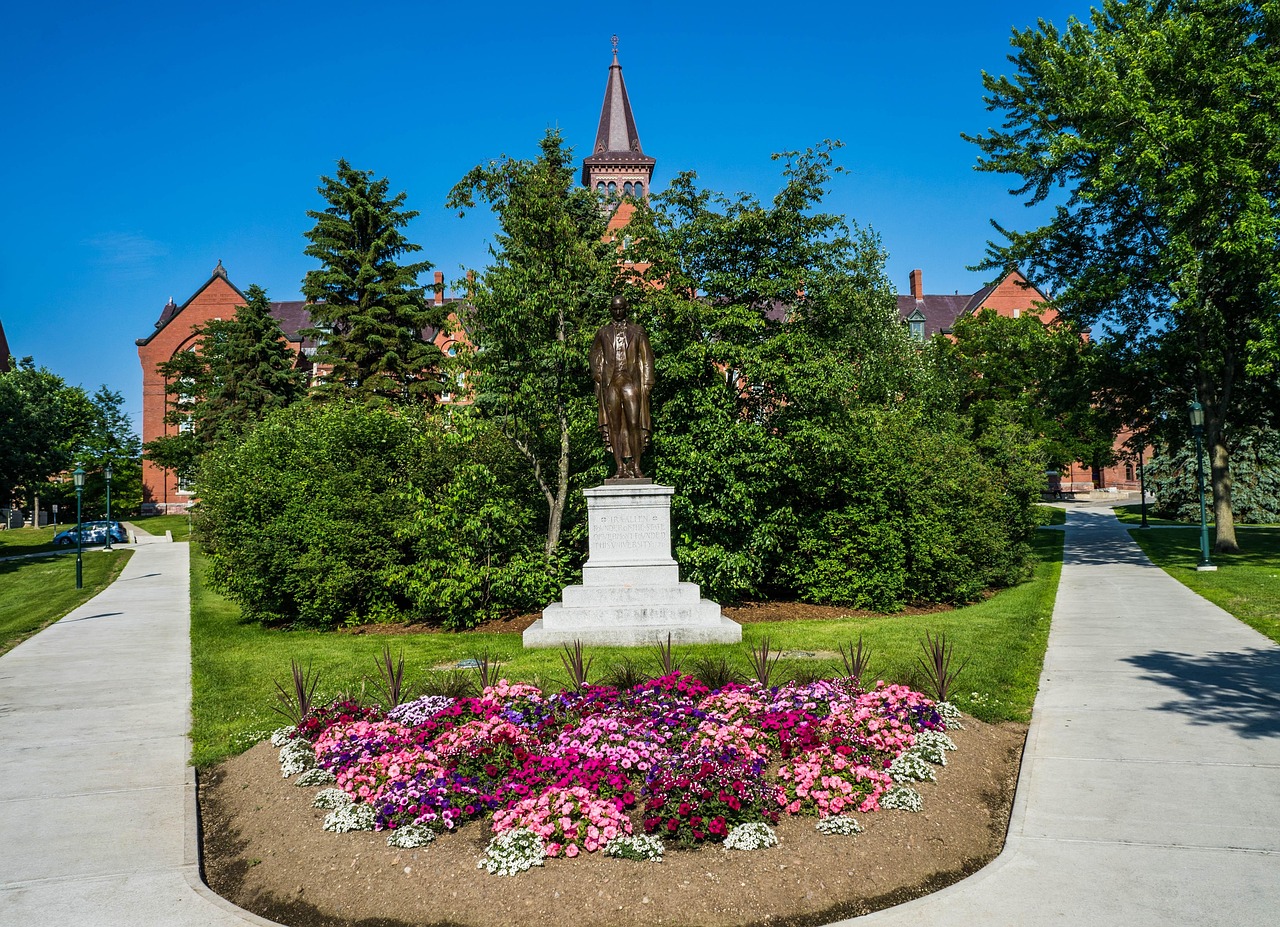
(622, 366)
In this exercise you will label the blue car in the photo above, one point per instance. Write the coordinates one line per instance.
(95, 532)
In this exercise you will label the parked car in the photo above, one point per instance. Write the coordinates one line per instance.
(95, 532)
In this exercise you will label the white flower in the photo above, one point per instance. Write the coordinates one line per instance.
(411, 837)
(296, 756)
(950, 714)
(933, 746)
(901, 798)
(839, 825)
(513, 852)
(317, 775)
(331, 798)
(352, 817)
(755, 835)
(635, 846)
(912, 765)
(282, 735)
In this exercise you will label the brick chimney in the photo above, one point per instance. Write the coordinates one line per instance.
(917, 284)
(439, 288)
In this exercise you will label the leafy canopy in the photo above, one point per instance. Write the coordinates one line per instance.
(1153, 132)
(534, 312)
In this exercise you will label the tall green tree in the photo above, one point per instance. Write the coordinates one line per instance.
(1161, 121)
(110, 440)
(813, 445)
(240, 371)
(1035, 375)
(43, 421)
(534, 313)
(371, 314)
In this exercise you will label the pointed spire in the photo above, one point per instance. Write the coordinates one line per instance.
(220, 271)
(617, 144)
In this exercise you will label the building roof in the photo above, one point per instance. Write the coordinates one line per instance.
(941, 312)
(171, 311)
(617, 141)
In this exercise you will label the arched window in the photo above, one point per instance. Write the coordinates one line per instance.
(639, 190)
(613, 188)
(626, 188)
(600, 186)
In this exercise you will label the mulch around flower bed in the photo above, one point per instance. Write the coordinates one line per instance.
(746, 613)
(264, 849)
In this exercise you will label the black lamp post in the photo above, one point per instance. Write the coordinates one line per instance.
(106, 472)
(1142, 484)
(79, 478)
(1197, 426)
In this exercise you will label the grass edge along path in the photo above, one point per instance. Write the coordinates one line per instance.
(37, 591)
(236, 663)
(1246, 584)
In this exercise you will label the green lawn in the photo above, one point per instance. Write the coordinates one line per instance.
(180, 525)
(1132, 515)
(17, 541)
(1246, 584)
(1051, 515)
(235, 662)
(36, 592)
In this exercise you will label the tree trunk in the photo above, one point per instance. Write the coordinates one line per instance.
(1220, 478)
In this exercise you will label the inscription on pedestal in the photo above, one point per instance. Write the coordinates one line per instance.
(628, 534)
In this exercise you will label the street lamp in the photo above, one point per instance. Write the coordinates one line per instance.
(79, 478)
(1142, 484)
(107, 474)
(1197, 427)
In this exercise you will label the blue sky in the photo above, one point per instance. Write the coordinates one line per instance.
(146, 142)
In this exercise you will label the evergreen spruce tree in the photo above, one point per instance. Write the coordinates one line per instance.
(253, 370)
(370, 312)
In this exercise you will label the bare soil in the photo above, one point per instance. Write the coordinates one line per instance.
(264, 849)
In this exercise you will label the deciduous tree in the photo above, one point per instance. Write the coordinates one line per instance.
(534, 313)
(1161, 121)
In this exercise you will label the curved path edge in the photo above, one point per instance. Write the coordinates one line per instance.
(1146, 793)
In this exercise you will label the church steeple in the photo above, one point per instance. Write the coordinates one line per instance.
(617, 164)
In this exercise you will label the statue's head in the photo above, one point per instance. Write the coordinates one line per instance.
(618, 308)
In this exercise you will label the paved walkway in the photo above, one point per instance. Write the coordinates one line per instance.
(1149, 793)
(1150, 786)
(94, 782)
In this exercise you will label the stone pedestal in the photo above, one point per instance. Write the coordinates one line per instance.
(631, 592)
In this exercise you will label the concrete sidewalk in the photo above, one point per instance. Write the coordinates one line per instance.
(1149, 792)
(94, 781)
(1150, 785)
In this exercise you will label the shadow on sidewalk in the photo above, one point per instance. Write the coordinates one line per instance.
(1239, 689)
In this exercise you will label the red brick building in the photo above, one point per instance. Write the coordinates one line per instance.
(163, 491)
(1012, 296)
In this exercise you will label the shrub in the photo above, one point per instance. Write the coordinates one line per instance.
(1255, 480)
(334, 514)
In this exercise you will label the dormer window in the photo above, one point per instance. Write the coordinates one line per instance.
(915, 324)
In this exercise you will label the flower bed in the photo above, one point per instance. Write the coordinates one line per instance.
(558, 775)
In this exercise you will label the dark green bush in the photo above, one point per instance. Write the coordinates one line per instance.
(1255, 480)
(335, 514)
